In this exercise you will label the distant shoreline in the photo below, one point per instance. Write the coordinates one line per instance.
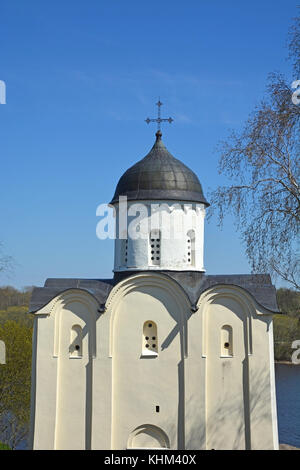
(288, 363)
(287, 447)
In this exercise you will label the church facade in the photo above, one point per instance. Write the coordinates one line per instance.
(161, 356)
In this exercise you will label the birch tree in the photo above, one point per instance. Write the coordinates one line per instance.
(262, 163)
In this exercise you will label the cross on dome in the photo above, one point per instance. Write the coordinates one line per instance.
(159, 119)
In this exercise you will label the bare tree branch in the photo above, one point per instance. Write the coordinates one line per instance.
(262, 163)
(6, 262)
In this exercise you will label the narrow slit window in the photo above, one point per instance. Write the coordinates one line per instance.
(125, 252)
(150, 340)
(154, 247)
(226, 341)
(76, 341)
(190, 248)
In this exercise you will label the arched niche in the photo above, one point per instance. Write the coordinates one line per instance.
(148, 436)
(154, 280)
(74, 316)
(220, 294)
(87, 322)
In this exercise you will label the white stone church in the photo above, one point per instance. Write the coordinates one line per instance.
(161, 356)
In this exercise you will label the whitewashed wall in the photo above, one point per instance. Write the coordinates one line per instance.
(108, 397)
(174, 223)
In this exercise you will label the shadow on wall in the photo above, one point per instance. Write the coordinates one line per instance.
(259, 406)
(77, 336)
(148, 436)
(256, 406)
(181, 329)
(181, 407)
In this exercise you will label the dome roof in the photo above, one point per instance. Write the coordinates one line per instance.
(159, 176)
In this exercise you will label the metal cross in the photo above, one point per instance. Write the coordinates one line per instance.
(159, 119)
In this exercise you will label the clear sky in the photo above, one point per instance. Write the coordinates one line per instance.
(82, 76)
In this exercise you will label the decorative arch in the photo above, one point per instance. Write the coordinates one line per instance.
(62, 301)
(138, 281)
(239, 295)
(148, 436)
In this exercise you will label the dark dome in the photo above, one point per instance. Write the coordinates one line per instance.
(159, 176)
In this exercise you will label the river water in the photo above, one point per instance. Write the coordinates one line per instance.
(288, 403)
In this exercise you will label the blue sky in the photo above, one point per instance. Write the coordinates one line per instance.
(81, 78)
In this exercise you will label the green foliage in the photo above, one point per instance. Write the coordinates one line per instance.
(9, 296)
(17, 313)
(15, 376)
(286, 325)
(286, 330)
(4, 446)
(14, 305)
(289, 302)
(15, 379)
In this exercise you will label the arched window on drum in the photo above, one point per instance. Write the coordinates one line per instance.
(190, 248)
